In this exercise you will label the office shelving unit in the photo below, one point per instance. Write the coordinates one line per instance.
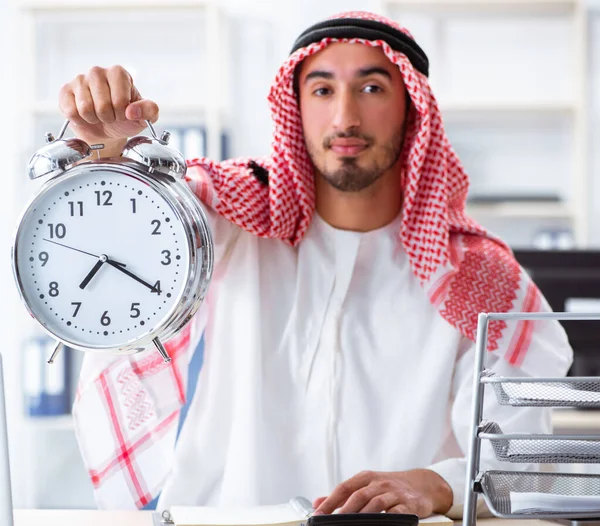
(506, 493)
(517, 91)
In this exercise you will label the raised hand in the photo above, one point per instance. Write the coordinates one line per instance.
(104, 106)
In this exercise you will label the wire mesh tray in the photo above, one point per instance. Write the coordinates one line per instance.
(541, 449)
(545, 392)
(531, 495)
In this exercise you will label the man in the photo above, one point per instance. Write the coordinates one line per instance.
(339, 325)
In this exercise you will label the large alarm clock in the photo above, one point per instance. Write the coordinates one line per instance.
(112, 254)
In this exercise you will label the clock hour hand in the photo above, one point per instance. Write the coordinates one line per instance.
(101, 260)
(121, 267)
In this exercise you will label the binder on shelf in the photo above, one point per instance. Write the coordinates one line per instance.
(46, 388)
(192, 141)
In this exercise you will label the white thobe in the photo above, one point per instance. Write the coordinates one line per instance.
(325, 360)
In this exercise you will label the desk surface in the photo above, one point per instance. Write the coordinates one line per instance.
(82, 518)
(144, 518)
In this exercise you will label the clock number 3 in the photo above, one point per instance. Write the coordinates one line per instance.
(167, 260)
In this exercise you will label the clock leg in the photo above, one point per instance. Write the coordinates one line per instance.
(161, 349)
(55, 352)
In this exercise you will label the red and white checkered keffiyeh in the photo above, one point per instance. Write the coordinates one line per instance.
(127, 409)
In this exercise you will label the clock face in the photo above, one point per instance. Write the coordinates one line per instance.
(102, 259)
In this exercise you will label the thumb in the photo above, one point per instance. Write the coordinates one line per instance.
(142, 110)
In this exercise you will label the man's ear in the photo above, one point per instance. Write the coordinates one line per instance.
(296, 81)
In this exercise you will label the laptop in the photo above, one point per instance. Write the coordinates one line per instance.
(6, 507)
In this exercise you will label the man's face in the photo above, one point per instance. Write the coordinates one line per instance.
(353, 109)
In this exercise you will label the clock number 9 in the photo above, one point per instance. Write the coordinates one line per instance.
(105, 320)
(44, 258)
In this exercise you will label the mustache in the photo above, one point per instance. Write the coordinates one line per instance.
(351, 134)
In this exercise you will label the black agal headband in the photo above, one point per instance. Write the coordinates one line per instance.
(368, 30)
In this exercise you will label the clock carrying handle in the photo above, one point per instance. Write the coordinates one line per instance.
(66, 124)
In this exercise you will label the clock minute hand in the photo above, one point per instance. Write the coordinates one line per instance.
(120, 266)
(71, 248)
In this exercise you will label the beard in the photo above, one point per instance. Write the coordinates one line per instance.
(351, 176)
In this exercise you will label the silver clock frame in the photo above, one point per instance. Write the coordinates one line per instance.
(199, 245)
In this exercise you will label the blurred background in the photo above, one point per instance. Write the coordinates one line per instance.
(517, 81)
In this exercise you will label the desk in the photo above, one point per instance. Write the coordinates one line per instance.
(82, 518)
(144, 518)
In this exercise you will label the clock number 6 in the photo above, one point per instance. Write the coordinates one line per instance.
(105, 320)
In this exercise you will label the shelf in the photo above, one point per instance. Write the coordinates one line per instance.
(482, 5)
(112, 4)
(541, 449)
(451, 107)
(521, 209)
(50, 423)
(509, 494)
(582, 392)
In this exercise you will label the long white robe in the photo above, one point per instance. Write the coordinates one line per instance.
(328, 359)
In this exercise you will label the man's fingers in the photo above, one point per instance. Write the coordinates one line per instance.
(120, 84)
(361, 498)
(101, 95)
(84, 101)
(400, 508)
(67, 105)
(142, 110)
(381, 502)
(318, 502)
(343, 491)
